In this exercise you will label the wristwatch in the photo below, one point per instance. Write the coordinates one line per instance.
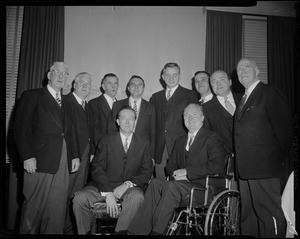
(129, 184)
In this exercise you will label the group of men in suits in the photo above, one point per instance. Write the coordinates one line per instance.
(119, 138)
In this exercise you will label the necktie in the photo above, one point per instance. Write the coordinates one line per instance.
(191, 139)
(242, 102)
(58, 99)
(229, 106)
(201, 101)
(83, 104)
(169, 94)
(126, 145)
(135, 107)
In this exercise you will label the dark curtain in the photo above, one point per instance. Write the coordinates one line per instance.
(281, 59)
(224, 44)
(42, 43)
(282, 71)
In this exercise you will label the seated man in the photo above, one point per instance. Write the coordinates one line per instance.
(121, 168)
(194, 156)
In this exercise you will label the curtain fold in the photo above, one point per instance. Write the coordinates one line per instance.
(224, 44)
(42, 44)
(281, 59)
(282, 71)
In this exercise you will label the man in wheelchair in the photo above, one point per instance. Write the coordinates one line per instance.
(194, 156)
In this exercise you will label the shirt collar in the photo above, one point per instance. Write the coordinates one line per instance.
(194, 134)
(172, 90)
(207, 98)
(79, 100)
(123, 137)
(131, 100)
(53, 92)
(251, 88)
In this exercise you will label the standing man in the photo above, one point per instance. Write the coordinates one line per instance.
(121, 169)
(78, 104)
(145, 113)
(169, 105)
(263, 136)
(195, 155)
(43, 136)
(100, 108)
(220, 110)
(201, 81)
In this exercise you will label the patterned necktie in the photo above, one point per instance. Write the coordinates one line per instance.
(135, 107)
(191, 139)
(201, 101)
(229, 106)
(83, 104)
(58, 99)
(126, 145)
(169, 94)
(242, 102)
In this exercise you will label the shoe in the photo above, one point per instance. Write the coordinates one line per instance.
(155, 233)
(123, 232)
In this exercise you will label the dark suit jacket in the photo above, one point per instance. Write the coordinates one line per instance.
(145, 125)
(40, 127)
(99, 109)
(218, 119)
(205, 157)
(80, 117)
(169, 118)
(111, 166)
(263, 134)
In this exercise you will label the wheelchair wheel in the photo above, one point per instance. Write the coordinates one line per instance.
(223, 215)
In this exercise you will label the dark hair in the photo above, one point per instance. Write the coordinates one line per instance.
(136, 76)
(171, 65)
(108, 75)
(205, 72)
(127, 108)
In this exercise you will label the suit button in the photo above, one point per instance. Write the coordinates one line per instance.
(165, 131)
(62, 134)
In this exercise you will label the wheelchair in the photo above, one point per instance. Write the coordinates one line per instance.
(219, 215)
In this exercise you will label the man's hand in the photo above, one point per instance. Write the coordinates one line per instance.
(118, 191)
(111, 204)
(30, 165)
(75, 164)
(180, 174)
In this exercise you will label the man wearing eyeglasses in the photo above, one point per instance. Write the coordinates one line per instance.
(45, 141)
(145, 122)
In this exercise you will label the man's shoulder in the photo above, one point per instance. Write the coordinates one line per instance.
(158, 93)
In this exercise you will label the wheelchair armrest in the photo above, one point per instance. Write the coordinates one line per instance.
(222, 176)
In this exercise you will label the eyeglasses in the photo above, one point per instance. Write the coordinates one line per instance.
(58, 73)
(136, 85)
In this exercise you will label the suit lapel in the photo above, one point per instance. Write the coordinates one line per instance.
(251, 99)
(51, 107)
(104, 106)
(141, 113)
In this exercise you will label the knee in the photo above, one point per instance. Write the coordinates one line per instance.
(137, 196)
(80, 199)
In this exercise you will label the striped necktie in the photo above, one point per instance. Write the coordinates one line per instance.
(191, 139)
(126, 145)
(83, 104)
(242, 102)
(169, 94)
(229, 106)
(58, 99)
(135, 107)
